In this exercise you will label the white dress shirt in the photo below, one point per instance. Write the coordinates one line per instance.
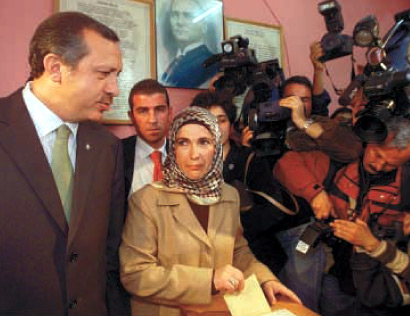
(46, 123)
(143, 164)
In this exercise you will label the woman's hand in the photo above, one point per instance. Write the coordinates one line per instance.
(357, 233)
(273, 288)
(228, 279)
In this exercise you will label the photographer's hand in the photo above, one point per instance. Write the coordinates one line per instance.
(322, 206)
(406, 224)
(246, 137)
(357, 233)
(316, 52)
(298, 116)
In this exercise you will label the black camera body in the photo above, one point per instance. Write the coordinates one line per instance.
(318, 231)
(333, 43)
(261, 110)
(237, 61)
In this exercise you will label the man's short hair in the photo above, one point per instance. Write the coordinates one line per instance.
(147, 87)
(208, 99)
(302, 80)
(400, 126)
(63, 34)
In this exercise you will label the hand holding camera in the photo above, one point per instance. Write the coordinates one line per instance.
(322, 206)
(357, 233)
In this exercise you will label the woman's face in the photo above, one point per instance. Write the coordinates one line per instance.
(223, 122)
(194, 150)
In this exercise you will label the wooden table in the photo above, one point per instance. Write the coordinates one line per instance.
(219, 308)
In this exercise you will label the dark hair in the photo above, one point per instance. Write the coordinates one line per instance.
(341, 110)
(298, 80)
(147, 87)
(63, 34)
(207, 99)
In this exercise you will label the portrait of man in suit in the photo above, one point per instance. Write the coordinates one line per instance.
(62, 184)
(189, 32)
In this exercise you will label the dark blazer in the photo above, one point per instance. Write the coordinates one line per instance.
(45, 267)
(128, 145)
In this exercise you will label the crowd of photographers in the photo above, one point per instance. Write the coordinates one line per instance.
(334, 223)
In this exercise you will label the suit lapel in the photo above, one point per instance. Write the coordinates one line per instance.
(218, 213)
(88, 151)
(129, 160)
(19, 139)
(184, 215)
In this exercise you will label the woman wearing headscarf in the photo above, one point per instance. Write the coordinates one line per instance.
(182, 240)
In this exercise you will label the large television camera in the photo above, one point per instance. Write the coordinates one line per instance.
(261, 110)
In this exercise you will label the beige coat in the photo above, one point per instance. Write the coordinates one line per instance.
(167, 259)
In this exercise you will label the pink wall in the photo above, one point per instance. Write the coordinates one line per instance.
(301, 23)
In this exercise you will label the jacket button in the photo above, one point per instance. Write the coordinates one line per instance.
(73, 257)
(72, 304)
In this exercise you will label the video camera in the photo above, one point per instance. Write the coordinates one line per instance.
(333, 43)
(261, 110)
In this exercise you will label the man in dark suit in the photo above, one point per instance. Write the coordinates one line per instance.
(151, 114)
(62, 180)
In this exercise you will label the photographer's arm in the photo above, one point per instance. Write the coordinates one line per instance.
(302, 173)
(321, 133)
(316, 52)
(359, 234)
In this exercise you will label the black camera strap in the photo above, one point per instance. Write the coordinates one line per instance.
(338, 91)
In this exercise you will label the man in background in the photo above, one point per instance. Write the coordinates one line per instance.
(61, 191)
(190, 51)
(145, 152)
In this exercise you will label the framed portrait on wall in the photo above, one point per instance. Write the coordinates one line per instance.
(188, 33)
(133, 21)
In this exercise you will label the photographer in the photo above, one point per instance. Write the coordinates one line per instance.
(316, 99)
(369, 193)
(315, 132)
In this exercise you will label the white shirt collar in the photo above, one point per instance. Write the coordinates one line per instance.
(45, 120)
(144, 150)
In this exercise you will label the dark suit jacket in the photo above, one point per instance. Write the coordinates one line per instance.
(128, 145)
(45, 267)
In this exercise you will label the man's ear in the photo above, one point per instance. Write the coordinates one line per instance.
(131, 116)
(53, 67)
(170, 114)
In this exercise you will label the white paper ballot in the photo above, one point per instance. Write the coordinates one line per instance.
(251, 301)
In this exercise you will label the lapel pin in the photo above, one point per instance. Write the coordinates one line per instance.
(87, 146)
